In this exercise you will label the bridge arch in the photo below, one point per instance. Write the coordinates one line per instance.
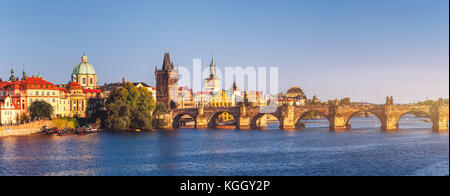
(378, 116)
(301, 117)
(212, 119)
(403, 114)
(177, 118)
(254, 120)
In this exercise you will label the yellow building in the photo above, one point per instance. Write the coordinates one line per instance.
(222, 99)
(67, 101)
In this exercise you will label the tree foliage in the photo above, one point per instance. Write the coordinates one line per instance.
(65, 123)
(432, 102)
(158, 118)
(129, 108)
(40, 109)
(24, 117)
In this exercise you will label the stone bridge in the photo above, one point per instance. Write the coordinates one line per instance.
(290, 116)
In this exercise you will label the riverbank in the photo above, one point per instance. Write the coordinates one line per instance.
(24, 129)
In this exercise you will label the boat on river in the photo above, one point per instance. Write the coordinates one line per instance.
(85, 130)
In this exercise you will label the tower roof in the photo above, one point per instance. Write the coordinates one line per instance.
(235, 87)
(167, 65)
(212, 69)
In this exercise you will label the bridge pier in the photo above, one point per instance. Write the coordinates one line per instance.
(338, 123)
(390, 120)
(288, 120)
(201, 122)
(287, 125)
(440, 116)
(243, 123)
(440, 127)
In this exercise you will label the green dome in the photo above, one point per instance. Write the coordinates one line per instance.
(84, 68)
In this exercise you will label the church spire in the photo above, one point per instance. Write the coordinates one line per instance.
(212, 69)
(24, 73)
(12, 78)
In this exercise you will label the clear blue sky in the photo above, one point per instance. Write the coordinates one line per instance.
(364, 49)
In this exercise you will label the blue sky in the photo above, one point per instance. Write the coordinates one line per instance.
(363, 49)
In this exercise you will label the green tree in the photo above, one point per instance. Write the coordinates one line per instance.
(129, 108)
(158, 118)
(40, 109)
(346, 101)
(24, 117)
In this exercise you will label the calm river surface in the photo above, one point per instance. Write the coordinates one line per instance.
(364, 150)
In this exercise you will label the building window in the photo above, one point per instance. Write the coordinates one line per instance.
(92, 80)
(84, 80)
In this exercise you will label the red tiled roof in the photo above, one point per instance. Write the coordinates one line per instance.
(29, 83)
(34, 80)
(92, 91)
(74, 86)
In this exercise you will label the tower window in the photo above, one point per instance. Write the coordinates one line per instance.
(92, 81)
(84, 80)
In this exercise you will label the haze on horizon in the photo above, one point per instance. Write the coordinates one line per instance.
(365, 50)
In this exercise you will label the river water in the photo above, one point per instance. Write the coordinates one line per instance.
(363, 150)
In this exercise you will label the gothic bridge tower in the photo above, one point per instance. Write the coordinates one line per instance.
(167, 83)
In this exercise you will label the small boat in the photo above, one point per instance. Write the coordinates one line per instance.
(85, 130)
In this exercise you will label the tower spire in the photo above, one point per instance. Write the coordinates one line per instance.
(12, 78)
(167, 65)
(24, 73)
(212, 68)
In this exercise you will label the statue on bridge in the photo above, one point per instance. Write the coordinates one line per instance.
(389, 100)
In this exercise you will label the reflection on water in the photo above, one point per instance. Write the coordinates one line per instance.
(363, 150)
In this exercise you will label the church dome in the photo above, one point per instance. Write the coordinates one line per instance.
(295, 92)
(84, 68)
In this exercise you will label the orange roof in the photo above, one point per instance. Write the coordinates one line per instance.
(29, 83)
(34, 80)
(92, 91)
(74, 86)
